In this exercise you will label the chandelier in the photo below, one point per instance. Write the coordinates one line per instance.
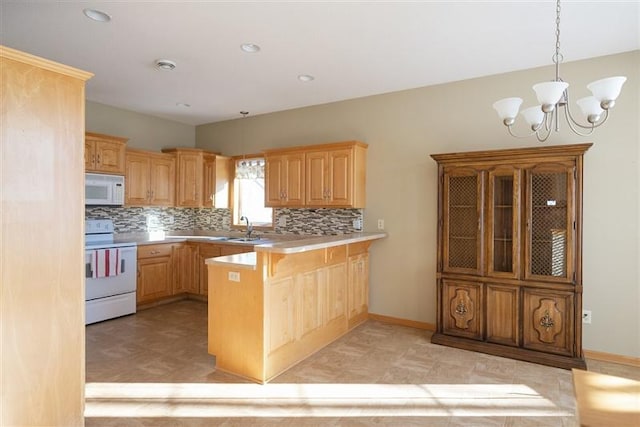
(553, 97)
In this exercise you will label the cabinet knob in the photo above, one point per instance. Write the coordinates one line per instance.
(98, 158)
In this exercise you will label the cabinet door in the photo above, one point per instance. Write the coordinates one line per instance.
(503, 222)
(110, 156)
(208, 180)
(154, 278)
(503, 314)
(358, 289)
(282, 316)
(549, 248)
(189, 179)
(340, 185)
(294, 192)
(336, 288)
(89, 155)
(206, 251)
(317, 177)
(462, 309)
(275, 176)
(548, 322)
(462, 225)
(311, 302)
(162, 181)
(137, 185)
(185, 257)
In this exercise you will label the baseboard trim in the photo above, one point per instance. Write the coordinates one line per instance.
(613, 358)
(403, 322)
(588, 354)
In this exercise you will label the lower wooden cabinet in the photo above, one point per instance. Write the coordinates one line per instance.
(462, 309)
(503, 314)
(548, 320)
(185, 261)
(358, 289)
(155, 272)
(506, 319)
(206, 251)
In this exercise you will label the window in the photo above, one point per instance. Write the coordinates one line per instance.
(248, 193)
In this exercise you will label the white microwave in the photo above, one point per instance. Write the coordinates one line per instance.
(100, 189)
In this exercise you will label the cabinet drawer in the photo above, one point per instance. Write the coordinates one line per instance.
(336, 254)
(150, 251)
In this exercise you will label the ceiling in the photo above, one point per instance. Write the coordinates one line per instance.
(353, 49)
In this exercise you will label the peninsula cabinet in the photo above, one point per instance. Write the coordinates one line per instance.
(104, 153)
(509, 272)
(327, 175)
(150, 179)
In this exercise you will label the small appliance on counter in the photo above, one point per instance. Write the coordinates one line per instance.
(110, 273)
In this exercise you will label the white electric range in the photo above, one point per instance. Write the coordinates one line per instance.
(114, 295)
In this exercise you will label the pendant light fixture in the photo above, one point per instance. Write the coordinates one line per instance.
(553, 96)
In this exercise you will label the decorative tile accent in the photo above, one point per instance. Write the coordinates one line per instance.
(321, 221)
(298, 221)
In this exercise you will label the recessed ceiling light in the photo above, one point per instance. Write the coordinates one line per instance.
(96, 15)
(250, 47)
(183, 105)
(305, 77)
(165, 64)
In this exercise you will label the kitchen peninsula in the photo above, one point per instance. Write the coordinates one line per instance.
(271, 308)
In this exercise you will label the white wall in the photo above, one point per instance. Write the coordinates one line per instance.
(404, 128)
(144, 132)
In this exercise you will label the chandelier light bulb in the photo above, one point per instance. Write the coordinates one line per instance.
(590, 108)
(533, 116)
(507, 109)
(606, 91)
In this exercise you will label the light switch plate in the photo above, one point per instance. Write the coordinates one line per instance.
(234, 276)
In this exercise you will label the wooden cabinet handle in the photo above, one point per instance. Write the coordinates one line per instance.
(98, 158)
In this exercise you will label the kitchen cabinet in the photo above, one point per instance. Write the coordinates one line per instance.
(358, 283)
(185, 268)
(149, 179)
(509, 278)
(327, 175)
(284, 180)
(104, 153)
(216, 181)
(155, 273)
(202, 178)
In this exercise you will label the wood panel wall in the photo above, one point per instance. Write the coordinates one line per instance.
(41, 259)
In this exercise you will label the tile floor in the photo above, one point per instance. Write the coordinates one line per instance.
(378, 374)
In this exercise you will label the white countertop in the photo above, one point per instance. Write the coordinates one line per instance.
(248, 260)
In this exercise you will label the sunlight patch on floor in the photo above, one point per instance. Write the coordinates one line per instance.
(315, 400)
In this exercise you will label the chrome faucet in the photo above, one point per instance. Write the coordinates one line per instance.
(249, 226)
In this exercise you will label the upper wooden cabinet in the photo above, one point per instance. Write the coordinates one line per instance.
(104, 153)
(215, 181)
(202, 178)
(284, 177)
(149, 179)
(510, 251)
(328, 175)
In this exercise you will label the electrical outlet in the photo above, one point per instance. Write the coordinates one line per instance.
(381, 224)
(282, 221)
(586, 316)
(234, 276)
(171, 219)
(357, 224)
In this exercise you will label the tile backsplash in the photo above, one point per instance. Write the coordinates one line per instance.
(287, 221)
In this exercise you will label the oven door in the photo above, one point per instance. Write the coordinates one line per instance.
(124, 282)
